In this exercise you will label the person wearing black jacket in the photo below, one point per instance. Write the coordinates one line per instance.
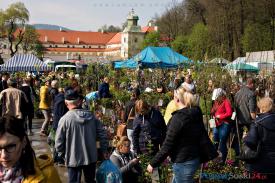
(59, 109)
(182, 139)
(149, 128)
(263, 131)
(3, 82)
(129, 114)
(26, 88)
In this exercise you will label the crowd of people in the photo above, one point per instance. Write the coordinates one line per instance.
(73, 130)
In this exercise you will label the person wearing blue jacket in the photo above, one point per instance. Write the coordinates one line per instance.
(104, 91)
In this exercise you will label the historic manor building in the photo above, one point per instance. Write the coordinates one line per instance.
(94, 46)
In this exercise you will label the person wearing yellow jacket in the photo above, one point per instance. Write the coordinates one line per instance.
(44, 171)
(171, 107)
(18, 163)
(44, 105)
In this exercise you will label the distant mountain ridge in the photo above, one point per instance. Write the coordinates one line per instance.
(49, 27)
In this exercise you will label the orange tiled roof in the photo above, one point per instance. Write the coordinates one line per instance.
(147, 29)
(116, 39)
(82, 49)
(71, 37)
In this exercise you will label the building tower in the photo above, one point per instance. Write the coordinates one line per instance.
(131, 37)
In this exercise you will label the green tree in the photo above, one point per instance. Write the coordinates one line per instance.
(15, 18)
(198, 42)
(2, 34)
(30, 39)
(180, 44)
(256, 38)
(151, 39)
(39, 50)
(110, 28)
(2, 23)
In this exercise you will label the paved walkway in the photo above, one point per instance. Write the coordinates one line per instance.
(40, 146)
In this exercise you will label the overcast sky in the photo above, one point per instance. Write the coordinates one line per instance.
(89, 15)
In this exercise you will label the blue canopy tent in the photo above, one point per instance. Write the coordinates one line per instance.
(24, 62)
(155, 57)
(130, 64)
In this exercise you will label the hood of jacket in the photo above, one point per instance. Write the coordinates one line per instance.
(81, 115)
(194, 111)
(267, 120)
(44, 171)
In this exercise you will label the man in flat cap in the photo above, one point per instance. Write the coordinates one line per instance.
(76, 136)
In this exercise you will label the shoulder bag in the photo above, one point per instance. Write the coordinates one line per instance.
(250, 155)
(122, 127)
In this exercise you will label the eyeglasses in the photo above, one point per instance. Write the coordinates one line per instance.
(8, 149)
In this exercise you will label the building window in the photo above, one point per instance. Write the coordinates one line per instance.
(89, 46)
(124, 40)
(83, 46)
(136, 40)
(72, 46)
(50, 46)
(5, 46)
(68, 46)
(56, 46)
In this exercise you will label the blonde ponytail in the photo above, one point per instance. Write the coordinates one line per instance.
(186, 97)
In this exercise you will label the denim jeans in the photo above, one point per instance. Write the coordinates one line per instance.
(130, 137)
(76, 172)
(184, 172)
(220, 136)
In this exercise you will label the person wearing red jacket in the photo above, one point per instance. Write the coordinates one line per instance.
(222, 112)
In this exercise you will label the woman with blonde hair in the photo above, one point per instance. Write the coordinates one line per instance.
(183, 138)
(262, 132)
(125, 160)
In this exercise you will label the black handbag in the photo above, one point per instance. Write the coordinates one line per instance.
(207, 149)
(249, 155)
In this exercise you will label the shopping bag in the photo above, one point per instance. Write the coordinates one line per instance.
(108, 173)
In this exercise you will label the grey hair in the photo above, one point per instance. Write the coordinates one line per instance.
(72, 102)
(54, 83)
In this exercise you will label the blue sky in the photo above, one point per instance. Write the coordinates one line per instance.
(89, 15)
